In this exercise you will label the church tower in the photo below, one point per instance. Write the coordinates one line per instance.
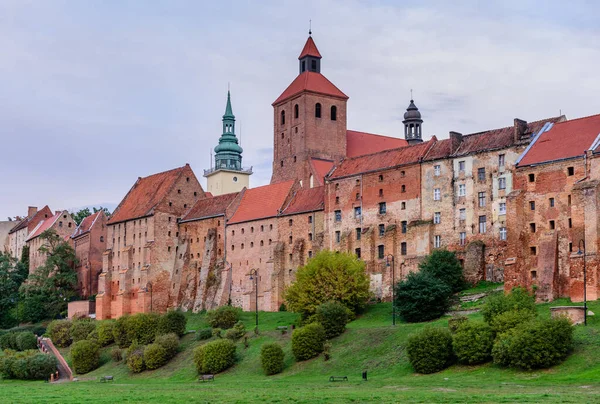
(412, 124)
(309, 120)
(228, 175)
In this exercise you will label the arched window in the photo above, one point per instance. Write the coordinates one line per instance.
(318, 110)
(296, 111)
(333, 113)
(283, 117)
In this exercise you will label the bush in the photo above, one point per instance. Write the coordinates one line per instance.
(142, 327)
(223, 317)
(237, 332)
(216, 332)
(41, 366)
(421, 297)
(473, 343)
(116, 354)
(307, 342)
(215, 356)
(443, 265)
(85, 356)
(26, 340)
(535, 345)
(135, 360)
(172, 322)
(105, 331)
(203, 334)
(329, 276)
(155, 356)
(80, 329)
(9, 341)
(517, 300)
(333, 316)
(27, 365)
(271, 358)
(120, 335)
(430, 350)
(455, 323)
(170, 342)
(508, 320)
(60, 333)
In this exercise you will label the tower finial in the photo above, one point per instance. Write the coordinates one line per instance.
(309, 27)
(411, 96)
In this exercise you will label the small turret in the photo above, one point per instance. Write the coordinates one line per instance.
(413, 124)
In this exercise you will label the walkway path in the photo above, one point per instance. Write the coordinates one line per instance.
(64, 372)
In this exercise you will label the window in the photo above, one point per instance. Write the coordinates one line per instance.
(382, 208)
(313, 65)
(296, 111)
(502, 233)
(482, 224)
(569, 200)
(310, 219)
(101, 239)
(532, 227)
(551, 202)
(381, 193)
(380, 178)
(317, 110)
(532, 205)
(262, 227)
(501, 183)
(403, 188)
(283, 117)
(337, 186)
(358, 196)
(338, 215)
(333, 113)
(462, 214)
(357, 212)
(337, 199)
(338, 236)
(570, 171)
(533, 275)
(462, 189)
(403, 206)
(437, 241)
(69, 224)
(501, 160)
(551, 224)
(251, 229)
(481, 174)
(502, 208)
(437, 218)
(436, 170)
(233, 232)
(310, 254)
(290, 222)
(531, 177)
(437, 196)
(381, 230)
(281, 163)
(357, 252)
(481, 199)
(533, 250)
(404, 226)
(252, 244)
(270, 227)
(60, 223)
(262, 243)
(461, 166)
(380, 251)
(570, 223)
(462, 237)
(403, 248)
(290, 240)
(242, 246)
(358, 233)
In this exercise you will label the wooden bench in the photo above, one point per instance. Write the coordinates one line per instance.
(104, 379)
(206, 378)
(282, 328)
(338, 379)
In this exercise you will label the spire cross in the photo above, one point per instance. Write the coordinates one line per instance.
(411, 97)
(309, 27)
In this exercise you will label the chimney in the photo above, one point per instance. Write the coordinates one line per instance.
(57, 212)
(31, 210)
(455, 140)
(520, 130)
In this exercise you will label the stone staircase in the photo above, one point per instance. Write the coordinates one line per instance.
(65, 374)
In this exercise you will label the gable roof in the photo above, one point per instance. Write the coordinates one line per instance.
(44, 225)
(311, 82)
(320, 168)
(306, 200)
(145, 194)
(441, 149)
(20, 225)
(386, 159)
(87, 224)
(209, 207)
(310, 49)
(361, 143)
(262, 202)
(563, 140)
(32, 219)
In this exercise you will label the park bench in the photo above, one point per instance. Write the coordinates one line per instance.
(282, 328)
(338, 379)
(206, 378)
(104, 379)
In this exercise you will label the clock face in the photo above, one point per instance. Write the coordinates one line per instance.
(234, 179)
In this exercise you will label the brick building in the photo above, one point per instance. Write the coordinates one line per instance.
(61, 222)
(18, 235)
(89, 242)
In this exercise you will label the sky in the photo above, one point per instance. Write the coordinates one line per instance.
(94, 94)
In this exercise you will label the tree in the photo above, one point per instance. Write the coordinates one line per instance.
(85, 212)
(421, 297)
(12, 274)
(51, 286)
(443, 265)
(329, 276)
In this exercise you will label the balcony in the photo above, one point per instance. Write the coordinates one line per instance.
(243, 170)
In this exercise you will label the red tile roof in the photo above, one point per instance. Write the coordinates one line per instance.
(320, 168)
(44, 225)
(382, 160)
(145, 194)
(20, 225)
(361, 143)
(33, 220)
(262, 202)
(441, 149)
(210, 207)
(310, 49)
(87, 224)
(563, 140)
(306, 200)
(310, 82)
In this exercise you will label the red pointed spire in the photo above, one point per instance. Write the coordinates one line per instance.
(310, 49)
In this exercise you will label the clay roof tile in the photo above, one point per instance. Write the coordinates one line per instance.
(262, 202)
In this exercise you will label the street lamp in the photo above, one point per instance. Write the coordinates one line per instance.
(254, 276)
(387, 264)
(149, 287)
(579, 252)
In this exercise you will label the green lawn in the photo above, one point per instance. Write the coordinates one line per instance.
(370, 343)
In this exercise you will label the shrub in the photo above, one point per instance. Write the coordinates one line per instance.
(26, 365)
(237, 332)
(26, 340)
(85, 356)
(9, 341)
(421, 297)
(203, 334)
(80, 329)
(170, 342)
(142, 327)
(223, 317)
(535, 345)
(60, 333)
(40, 366)
(333, 316)
(120, 335)
(155, 356)
(517, 300)
(443, 265)
(116, 354)
(135, 360)
(172, 322)
(329, 276)
(508, 320)
(105, 331)
(307, 342)
(473, 343)
(215, 356)
(271, 358)
(216, 332)
(456, 322)
(430, 350)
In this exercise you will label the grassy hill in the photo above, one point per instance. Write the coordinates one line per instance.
(370, 343)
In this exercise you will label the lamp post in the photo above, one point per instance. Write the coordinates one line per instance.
(254, 276)
(387, 264)
(149, 287)
(579, 252)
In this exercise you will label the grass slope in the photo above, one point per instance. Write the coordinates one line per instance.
(370, 343)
